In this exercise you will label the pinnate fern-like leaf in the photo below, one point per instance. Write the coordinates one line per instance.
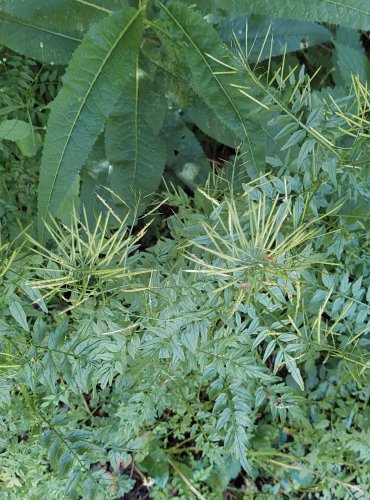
(100, 67)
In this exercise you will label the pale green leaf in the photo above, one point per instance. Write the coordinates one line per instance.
(299, 135)
(35, 296)
(100, 67)
(295, 373)
(270, 347)
(22, 134)
(14, 130)
(190, 337)
(16, 310)
(58, 335)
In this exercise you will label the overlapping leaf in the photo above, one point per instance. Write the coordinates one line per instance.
(49, 30)
(212, 74)
(132, 141)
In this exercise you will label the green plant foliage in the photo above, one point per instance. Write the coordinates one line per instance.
(349, 57)
(90, 88)
(211, 74)
(22, 134)
(186, 66)
(216, 343)
(268, 37)
(132, 140)
(349, 13)
(37, 41)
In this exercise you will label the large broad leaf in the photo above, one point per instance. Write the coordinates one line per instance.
(61, 14)
(37, 40)
(212, 75)
(100, 67)
(350, 13)
(50, 30)
(134, 149)
(266, 37)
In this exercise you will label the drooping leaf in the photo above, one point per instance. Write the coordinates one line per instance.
(268, 37)
(350, 13)
(134, 148)
(99, 69)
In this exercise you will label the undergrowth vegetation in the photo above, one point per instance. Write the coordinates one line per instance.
(184, 250)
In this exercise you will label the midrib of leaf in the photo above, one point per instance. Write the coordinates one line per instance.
(94, 6)
(136, 119)
(349, 7)
(198, 50)
(39, 28)
(98, 73)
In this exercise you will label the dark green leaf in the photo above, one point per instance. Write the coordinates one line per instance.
(37, 40)
(99, 69)
(134, 147)
(350, 13)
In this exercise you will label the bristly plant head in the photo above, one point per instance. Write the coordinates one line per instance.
(229, 345)
(251, 242)
(86, 261)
